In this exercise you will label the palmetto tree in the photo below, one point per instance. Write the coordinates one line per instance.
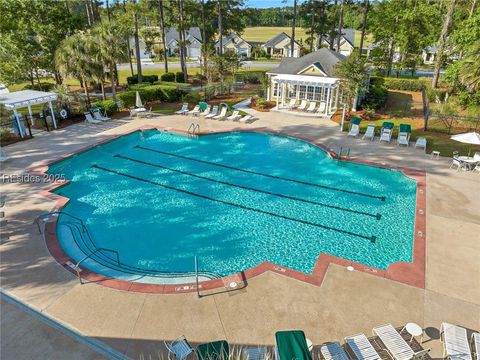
(73, 58)
(470, 69)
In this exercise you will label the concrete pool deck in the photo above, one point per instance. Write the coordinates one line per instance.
(346, 303)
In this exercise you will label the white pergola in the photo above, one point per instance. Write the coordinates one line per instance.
(26, 98)
(313, 88)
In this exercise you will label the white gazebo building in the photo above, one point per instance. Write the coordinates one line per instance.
(310, 78)
(25, 99)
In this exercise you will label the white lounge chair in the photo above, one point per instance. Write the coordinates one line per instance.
(195, 111)
(292, 104)
(396, 345)
(223, 114)
(333, 351)
(455, 342)
(403, 138)
(369, 133)
(180, 348)
(421, 143)
(89, 118)
(311, 107)
(213, 113)
(354, 130)
(476, 344)
(99, 116)
(235, 116)
(322, 107)
(255, 353)
(362, 348)
(386, 135)
(183, 110)
(303, 105)
(206, 111)
(246, 119)
(456, 162)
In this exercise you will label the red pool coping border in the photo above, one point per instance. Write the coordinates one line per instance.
(410, 273)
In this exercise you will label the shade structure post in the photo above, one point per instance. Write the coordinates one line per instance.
(344, 110)
(278, 90)
(53, 114)
(31, 114)
(17, 120)
(327, 107)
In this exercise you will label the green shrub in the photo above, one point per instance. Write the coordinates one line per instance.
(268, 56)
(40, 87)
(377, 80)
(433, 94)
(180, 77)
(108, 106)
(404, 84)
(192, 97)
(5, 133)
(250, 77)
(131, 80)
(376, 97)
(149, 94)
(170, 77)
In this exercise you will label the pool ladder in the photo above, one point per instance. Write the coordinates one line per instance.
(193, 129)
(340, 152)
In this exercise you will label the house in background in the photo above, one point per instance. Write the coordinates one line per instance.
(193, 41)
(233, 42)
(193, 37)
(429, 55)
(280, 46)
(309, 77)
(347, 42)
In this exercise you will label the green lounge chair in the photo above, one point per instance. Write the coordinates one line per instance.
(355, 120)
(216, 350)
(291, 345)
(404, 134)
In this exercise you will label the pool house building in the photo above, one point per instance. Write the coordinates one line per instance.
(309, 78)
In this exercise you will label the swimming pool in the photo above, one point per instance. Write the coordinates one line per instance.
(152, 201)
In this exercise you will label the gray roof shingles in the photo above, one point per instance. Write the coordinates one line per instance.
(278, 38)
(347, 34)
(172, 34)
(324, 59)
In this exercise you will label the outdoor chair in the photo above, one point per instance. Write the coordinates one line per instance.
(311, 107)
(361, 347)
(291, 344)
(303, 105)
(354, 130)
(333, 351)
(183, 110)
(195, 111)
(292, 104)
(386, 135)
(206, 111)
(421, 143)
(99, 116)
(396, 346)
(456, 162)
(475, 342)
(180, 348)
(213, 113)
(255, 353)
(246, 119)
(369, 133)
(235, 116)
(404, 134)
(89, 118)
(455, 342)
(322, 107)
(223, 114)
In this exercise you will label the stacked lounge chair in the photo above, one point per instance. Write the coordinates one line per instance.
(455, 342)
(290, 345)
(404, 134)
(386, 131)
(354, 127)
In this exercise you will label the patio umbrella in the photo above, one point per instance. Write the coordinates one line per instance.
(138, 101)
(472, 138)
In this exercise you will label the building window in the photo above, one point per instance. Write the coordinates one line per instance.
(318, 93)
(310, 90)
(303, 89)
(275, 89)
(292, 94)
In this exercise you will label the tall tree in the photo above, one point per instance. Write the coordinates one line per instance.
(137, 43)
(182, 44)
(340, 25)
(442, 42)
(364, 27)
(162, 31)
(294, 18)
(220, 27)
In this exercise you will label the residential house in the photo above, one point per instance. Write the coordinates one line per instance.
(429, 55)
(347, 42)
(233, 42)
(193, 41)
(280, 46)
(308, 77)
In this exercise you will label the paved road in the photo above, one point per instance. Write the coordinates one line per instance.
(176, 65)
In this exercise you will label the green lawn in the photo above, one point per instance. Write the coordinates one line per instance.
(264, 33)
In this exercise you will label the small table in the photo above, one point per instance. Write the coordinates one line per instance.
(414, 330)
(468, 160)
(435, 154)
(309, 344)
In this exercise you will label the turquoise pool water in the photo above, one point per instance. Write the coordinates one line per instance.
(234, 200)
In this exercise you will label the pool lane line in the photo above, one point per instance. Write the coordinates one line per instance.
(375, 216)
(372, 238)
(382, 198)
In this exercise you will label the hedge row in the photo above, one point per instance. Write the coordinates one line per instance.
(109, 106)
(398, 84)
(150, 93)
(131, 80)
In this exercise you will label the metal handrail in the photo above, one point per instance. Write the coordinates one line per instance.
(56, 212)
(77, 266)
